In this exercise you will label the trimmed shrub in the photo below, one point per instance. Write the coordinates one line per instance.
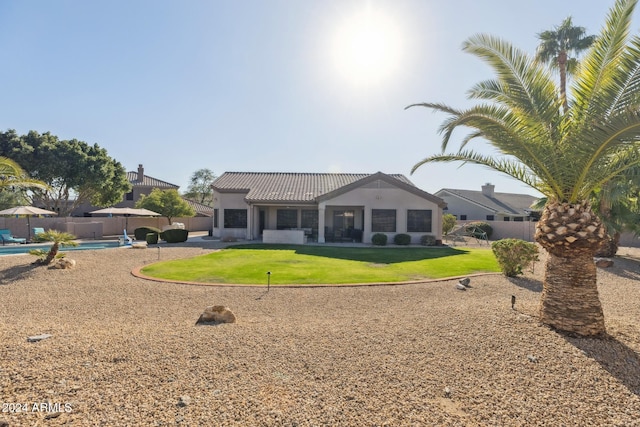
(402, 239)
(152, 238)
(379, 239)
(175, 235)
(428, 240)
(448, 222)
(476, 229)
(514, 255)
(141, 232)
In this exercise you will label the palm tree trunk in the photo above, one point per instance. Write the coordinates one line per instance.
(570, 300)
(52, 253)
(571, 233)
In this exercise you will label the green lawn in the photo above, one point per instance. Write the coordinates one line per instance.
(293, 264)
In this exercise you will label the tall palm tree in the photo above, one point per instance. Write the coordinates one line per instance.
(564, 155)
(555, 49)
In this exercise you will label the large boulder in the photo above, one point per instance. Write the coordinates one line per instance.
(216, 314)
(65, 263)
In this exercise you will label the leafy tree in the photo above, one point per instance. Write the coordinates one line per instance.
(59, 238)
(168, 203)
(557, 46)
(13, 184)
(566, 155)
(74, 171)
(448, 222)
(200, 187)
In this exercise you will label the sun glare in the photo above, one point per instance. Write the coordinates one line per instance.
(366, 48)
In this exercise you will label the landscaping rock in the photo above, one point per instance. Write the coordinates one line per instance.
(604, 262)
(36, 338)
(65, 263)
(216, 314)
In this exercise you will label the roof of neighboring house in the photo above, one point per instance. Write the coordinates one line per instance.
(292, 187)
(506, 203)
(201, 209)
(148, 181)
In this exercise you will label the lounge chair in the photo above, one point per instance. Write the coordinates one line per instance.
(7, 237)
(35, 231)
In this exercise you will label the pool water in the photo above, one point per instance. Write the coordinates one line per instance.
(23, 249)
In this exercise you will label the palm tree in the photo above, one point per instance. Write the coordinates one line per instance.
(13, 176)
(59, 238)
(556, 47)
(564, 155)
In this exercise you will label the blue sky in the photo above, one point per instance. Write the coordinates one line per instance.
(269, 85)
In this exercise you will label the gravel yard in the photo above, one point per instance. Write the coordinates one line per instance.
(126, 351)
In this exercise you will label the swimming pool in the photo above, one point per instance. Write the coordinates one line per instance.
(23, 249)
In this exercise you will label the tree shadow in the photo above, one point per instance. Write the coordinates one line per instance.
(527, 283)
(625, 267)
(614, 356)
(18, 272)
(378, 255)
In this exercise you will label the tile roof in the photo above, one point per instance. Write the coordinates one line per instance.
(290, 186)
(148, 181)
(201, 209)
(508, 203)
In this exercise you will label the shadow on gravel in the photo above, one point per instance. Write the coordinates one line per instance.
(628, 268)
(527, 283)
(18, 272)
(614, 356)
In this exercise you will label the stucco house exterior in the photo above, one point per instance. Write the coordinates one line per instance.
(487, 204)
(298, 207)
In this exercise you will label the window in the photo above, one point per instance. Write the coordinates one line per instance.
(129, 195)
(490, 217)
(235, 218)
(383, 220)
(215, 218)
(518, 219)
(310, 219)
(463, 217)
(506, 218)
(419, 221)
(286, 219)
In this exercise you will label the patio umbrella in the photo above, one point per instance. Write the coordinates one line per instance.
(126, 212)
(28, 211)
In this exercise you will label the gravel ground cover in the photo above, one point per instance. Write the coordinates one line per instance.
(126, 351)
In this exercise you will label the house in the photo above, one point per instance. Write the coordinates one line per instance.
(142, 184)
(295, 207)
(487, 205)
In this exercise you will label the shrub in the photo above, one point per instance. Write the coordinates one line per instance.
(175, 235)
(514, 255)
(428, 240)
(477, 228)
(448, 222)
(379, 239)
(402, 239)
(141, 232)
(152, 238)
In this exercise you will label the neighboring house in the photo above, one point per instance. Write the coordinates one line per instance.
(142, 184)
(282, 207)
(487, 205)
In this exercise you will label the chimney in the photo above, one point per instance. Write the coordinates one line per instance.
(140, 173)
(487, 189)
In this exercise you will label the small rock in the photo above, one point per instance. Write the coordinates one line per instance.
(184, 401)
(465, 282)
(216, 314)
(36, 338)
(447, 392)
(604, 262)
(52, 415)
(65, 263)
(532, 358)
(139, 245)
(461, 287)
